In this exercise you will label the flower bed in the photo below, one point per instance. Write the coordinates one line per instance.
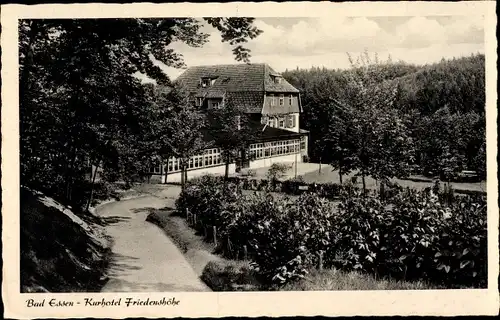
(406, 234)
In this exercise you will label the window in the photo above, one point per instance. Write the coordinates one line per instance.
(272, 101)
(281, 122)
(216, 104)
(282, 100)
(277, 79)
(290, 99)
(289, 121)
(272, 122)
(205, 82)
(272, 149)
(199, 101)
(155, 169)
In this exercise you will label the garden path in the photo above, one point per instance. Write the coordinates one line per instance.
(144, 258)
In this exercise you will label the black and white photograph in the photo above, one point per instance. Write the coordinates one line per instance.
(251, 154)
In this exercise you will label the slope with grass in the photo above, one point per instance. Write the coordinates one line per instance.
(60, 251)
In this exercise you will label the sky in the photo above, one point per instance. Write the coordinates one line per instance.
(288, 43)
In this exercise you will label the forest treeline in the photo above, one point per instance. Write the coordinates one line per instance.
(440, 109)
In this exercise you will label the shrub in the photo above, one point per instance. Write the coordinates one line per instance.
(277, 171)
(406, 234)
(205, 196)
(360, 226)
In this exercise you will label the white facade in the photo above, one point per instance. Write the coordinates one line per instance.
(261, 154)
(267, 162)
(176, 176)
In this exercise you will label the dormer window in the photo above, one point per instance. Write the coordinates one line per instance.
(206, 82)
(277, 79)
(215, 104)
(199, 101)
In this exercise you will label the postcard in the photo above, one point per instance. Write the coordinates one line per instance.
(249, 159)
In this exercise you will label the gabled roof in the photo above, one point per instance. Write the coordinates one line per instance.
(234, 78)
(259, 132)
(249, 102)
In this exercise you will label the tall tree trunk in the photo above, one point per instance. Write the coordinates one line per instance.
(161, 169)
(92, 188)
(185, 174)
(166, 172)
(340, 174)
(226, 172)
(319, 171)
(364, 184)
(182, 177)
(69, 174)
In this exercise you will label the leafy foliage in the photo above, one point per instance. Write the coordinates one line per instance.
(277, 171)
(231, 132)
(403, 108)
(81, 104)
(410, 235)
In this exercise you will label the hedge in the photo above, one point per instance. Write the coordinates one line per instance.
(407, 235)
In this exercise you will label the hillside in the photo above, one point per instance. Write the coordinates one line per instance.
(441, 104)
(60, 252)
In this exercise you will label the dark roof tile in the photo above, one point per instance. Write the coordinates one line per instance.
(235, 77)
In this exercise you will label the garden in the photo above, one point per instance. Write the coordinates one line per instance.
(430, 235)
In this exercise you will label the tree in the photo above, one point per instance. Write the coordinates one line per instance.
(79, 100)
(380, 142)
(420, 92)
(450, 142)
(276, 172)
(231, 130)
(338, 140)
(185, 127)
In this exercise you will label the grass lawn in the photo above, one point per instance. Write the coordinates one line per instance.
(311, 173)
(327, 175)
(333, 279)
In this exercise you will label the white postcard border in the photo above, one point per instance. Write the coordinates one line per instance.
(428, 302)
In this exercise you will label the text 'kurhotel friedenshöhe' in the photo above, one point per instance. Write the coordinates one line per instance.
(131, 302)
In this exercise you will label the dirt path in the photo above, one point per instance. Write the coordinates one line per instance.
(144, 258)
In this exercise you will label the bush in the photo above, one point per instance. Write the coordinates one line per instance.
(276, 172)
(205, 196)
(406, 234)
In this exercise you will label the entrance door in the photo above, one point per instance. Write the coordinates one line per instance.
(243, 161)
